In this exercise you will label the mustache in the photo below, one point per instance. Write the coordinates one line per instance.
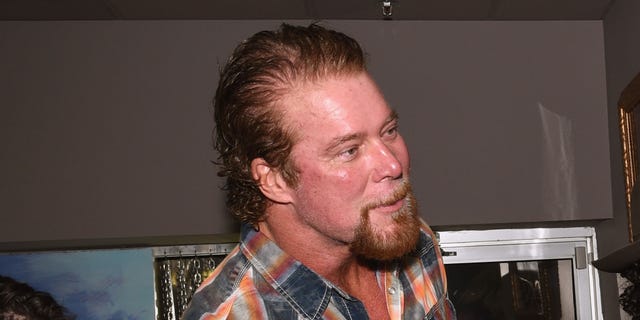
(398, 194)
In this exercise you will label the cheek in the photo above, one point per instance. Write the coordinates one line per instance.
(342, 175)
(331, 187)
(328, 180)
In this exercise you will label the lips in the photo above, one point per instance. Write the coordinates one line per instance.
(392, 203)
(391, 207)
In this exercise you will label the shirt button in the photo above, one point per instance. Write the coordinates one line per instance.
(391, 290)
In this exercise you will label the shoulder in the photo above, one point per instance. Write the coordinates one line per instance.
(428, 242)
(244, 302)
(237, 291)
(424, 275)
(427, 259)
(231, 279)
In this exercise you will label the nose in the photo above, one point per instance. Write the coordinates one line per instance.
(387, 162)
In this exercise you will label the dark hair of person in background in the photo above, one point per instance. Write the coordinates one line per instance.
(630, 298)
(257, 75)
(19, 301)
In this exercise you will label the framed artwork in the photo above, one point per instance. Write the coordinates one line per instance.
(95, 284)
(629, 100)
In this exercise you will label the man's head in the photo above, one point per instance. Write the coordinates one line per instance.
(260, 73)
(301, 126)
(353, 166)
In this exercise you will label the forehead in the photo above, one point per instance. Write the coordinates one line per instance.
(335, 106)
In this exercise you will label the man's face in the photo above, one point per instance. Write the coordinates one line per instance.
(353, 167)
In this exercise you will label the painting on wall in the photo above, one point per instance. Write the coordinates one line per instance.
(627, 111)
(96, 284)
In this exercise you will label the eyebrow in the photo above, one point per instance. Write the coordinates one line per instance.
(392, 117)
(338, 141)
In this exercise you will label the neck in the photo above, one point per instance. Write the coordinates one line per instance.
(330, 259)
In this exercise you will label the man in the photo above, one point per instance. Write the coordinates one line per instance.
(318, 174)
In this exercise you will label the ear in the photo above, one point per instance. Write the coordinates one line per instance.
(270, 181)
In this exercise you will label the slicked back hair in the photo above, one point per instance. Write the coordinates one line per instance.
(248, 116)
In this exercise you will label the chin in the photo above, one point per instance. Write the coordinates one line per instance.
(392, 242)
(391, 235)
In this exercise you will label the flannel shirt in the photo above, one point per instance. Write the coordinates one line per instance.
(258, 280)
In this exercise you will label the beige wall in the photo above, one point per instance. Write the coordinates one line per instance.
(105, 124)
(622, 48)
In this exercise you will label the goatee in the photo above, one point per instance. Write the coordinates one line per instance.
(372, 244)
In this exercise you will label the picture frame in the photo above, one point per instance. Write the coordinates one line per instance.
(92, 284)
(627, 103)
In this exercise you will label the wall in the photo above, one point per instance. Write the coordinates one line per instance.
(105, 125)
(622, 47)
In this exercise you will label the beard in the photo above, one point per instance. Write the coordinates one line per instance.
(372, 244)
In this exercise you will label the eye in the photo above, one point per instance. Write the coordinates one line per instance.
(349, 154)
(391, 132)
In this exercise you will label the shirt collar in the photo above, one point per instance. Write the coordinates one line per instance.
(305, 290)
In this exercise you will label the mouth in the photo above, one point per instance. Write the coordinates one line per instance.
(393, 203)
(391, 206)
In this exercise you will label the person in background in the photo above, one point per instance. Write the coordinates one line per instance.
(626, 262)
(630, 296)
(19, 301)
(318, 174)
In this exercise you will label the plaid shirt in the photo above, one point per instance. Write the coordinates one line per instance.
(258, 280)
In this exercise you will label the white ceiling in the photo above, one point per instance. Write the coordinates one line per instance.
(303, 9)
